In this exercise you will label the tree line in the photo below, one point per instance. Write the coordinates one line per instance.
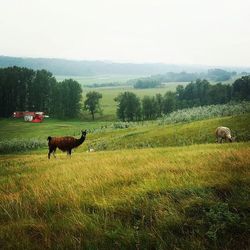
(25, 89)
(198, 93)
(156, 80)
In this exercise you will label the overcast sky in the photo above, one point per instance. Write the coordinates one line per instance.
(209, 32)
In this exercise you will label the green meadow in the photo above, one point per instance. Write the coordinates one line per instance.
(99, 79)
(145, 185)
(18, 136)
(188, 197)
(108, 103)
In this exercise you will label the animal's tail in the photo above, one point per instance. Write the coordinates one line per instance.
(49, 138)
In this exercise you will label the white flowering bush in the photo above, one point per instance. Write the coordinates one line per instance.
(205, 112)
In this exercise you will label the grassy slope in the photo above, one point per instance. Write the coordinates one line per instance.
(154, 135)
(192, 197)
(17, 128)
(147, 134)
(186, 197)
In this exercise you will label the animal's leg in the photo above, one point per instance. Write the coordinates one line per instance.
(54, 152)
(50, 151)
(69, 152)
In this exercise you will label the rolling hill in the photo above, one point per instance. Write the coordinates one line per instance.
(88, 68)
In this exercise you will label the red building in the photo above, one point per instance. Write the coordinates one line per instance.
(29, 116)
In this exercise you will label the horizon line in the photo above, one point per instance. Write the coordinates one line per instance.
(127, 62)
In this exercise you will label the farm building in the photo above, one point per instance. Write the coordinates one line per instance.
(30, 116)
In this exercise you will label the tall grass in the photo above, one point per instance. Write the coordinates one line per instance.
(21, 145)
(148, 135)
(167, 198)
(135, 135)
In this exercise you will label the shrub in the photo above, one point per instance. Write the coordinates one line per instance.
(205, 112)
(21, 145)
(220, 219)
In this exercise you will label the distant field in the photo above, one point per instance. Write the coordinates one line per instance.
(109, 93)
(109, 105)
(89, 80)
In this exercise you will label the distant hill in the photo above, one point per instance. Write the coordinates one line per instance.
(88, 68)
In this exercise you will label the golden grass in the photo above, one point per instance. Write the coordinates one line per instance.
(94, 199)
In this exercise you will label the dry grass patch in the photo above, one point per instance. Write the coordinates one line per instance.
(183, 197)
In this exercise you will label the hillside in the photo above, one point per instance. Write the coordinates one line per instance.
(192, 197)
(147, 185)
(113, 136)
(89, 68)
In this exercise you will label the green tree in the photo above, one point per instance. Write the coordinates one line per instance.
(158, 105)
(149, 108)
(194, 94)
(24, 89)
(40, 91)
(128, 107)
(70, 95)
(241, 88)
(219, 74)
(219, 93)
(92, 103)
(169, 102)
(14, 88)
(146, 83)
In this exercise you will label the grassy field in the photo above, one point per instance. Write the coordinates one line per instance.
(147, 185)
(19, 129)
(193, 197)
(18, 136)
(108, 104)
(89, 80)
(108, 95)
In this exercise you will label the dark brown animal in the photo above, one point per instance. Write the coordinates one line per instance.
(66, 143)
(223, 133)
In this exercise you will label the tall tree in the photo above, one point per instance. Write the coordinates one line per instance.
(241, 88)
(92, 103)
(158, 105)
(149, 108)
(128, 107)
(14, 84)
(70, 94)
(169, 102)
(40, 91)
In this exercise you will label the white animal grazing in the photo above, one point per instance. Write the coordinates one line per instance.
(223, 133)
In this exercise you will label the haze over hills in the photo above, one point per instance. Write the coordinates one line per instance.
(88, 68)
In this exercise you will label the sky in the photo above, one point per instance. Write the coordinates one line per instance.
(206, 32)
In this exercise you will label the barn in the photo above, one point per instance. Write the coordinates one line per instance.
(30, 116)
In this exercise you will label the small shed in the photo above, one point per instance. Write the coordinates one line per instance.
(30, 116)
(38, 118)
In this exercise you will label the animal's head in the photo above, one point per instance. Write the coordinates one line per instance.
(233, 139)
(84, 132)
